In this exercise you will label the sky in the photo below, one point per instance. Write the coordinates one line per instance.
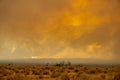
(60, 29)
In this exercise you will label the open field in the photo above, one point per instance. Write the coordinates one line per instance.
(59, 72)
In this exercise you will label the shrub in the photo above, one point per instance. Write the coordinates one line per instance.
(4, 72)
(81, 77)
(46, 73)
(64, 77)
(36, 72)
(92, 72)
(19, 77)
(103, 76)
(55, 74)
(105, 72)
(76, 70)
(2, 78)
(71, 68)
(40, 77)
(117, 77)
(10, 78)
(85, 68)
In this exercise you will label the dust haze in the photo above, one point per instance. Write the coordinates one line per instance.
(60, 29)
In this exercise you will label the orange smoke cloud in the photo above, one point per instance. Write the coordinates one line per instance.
(53, 28)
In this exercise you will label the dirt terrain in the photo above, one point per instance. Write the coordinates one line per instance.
(59, 72)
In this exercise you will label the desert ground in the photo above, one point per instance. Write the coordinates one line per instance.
(59, 72)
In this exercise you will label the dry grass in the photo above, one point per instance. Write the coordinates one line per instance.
(59, 72)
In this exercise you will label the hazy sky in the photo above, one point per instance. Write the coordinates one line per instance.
(60, 29)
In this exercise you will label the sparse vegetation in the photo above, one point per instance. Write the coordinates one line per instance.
(58, 72)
